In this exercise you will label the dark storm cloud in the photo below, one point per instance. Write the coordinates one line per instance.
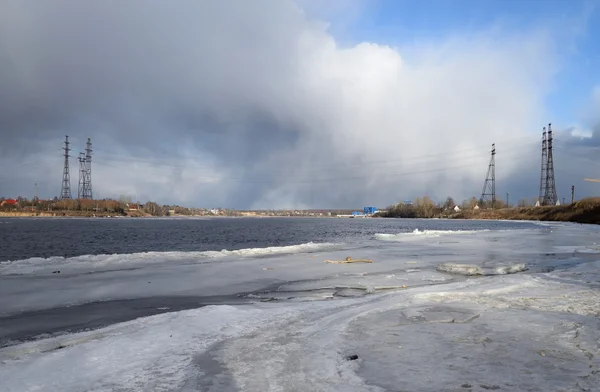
(136, 66)
(156, 77)
(250, 104)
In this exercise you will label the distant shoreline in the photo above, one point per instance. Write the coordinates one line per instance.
(84, 214)
(583, 211)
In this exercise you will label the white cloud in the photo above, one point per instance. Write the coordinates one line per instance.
(461, 94)
(577, 132)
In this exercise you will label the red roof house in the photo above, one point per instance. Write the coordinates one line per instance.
(9, 202)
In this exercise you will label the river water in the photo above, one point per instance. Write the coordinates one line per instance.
(248, 304)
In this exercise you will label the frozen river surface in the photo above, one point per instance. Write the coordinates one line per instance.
(250, 305)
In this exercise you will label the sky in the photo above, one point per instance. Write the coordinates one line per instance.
(298, 104)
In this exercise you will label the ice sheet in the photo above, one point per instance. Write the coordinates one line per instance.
(409, 326)
(493, 333)
(42, 290)
(117, 261)
(423, 234)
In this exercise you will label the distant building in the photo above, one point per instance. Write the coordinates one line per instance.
(456, 208)
(9, 203)
(369, 210)
(134, 206)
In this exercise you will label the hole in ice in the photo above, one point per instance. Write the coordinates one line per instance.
(351, 357)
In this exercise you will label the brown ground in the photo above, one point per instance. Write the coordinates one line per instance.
(70, 213)
(583, 211)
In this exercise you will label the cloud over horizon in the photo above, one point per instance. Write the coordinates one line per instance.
(256, 105)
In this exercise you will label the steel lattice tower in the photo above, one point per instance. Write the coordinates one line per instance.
(85, 172)
(87, 190)
(489, 186)
(550, 197)
(65, 192)
(82, 176)
(543, 178)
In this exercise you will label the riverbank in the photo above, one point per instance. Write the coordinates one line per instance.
(583, 211)
(142, 214)
(58, 214)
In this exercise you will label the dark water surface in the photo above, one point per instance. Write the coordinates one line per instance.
(24, 238)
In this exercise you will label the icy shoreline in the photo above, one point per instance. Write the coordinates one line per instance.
(517, 332)
(414, 319)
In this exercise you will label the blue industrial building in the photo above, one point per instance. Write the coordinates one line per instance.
(369, 210)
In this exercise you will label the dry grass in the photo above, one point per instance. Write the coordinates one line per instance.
(582, 211)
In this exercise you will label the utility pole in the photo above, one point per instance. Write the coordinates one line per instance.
(507, 199)
(34, 204)
(489, 186)
(65, 192)
(572, 194)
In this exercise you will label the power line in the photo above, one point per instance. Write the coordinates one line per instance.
(178, 161)
(310, 178)
(415, 161)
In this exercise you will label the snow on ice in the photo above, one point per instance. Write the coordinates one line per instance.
(399, 323)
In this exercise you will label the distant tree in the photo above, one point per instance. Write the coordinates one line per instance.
(500, 204)
(424, 207)
(400, 210)
(153, 209)
(182, 210)
(449, 203)
(86, 204)
(469, 204)
(524, 203)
